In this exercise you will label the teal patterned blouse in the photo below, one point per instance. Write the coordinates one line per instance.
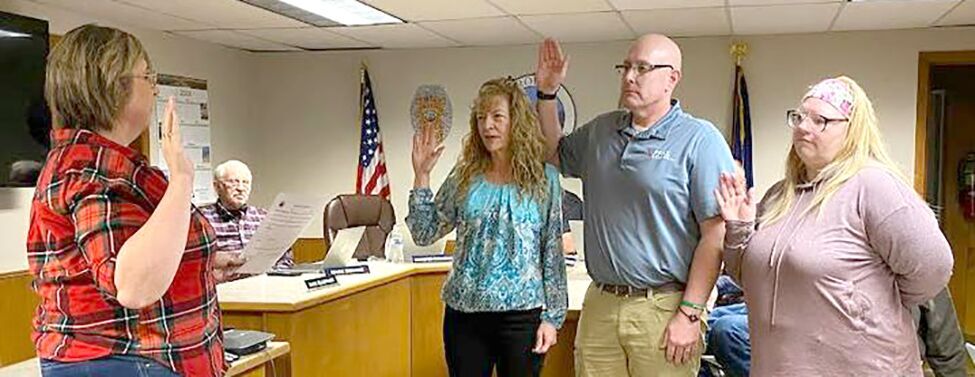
(509, 246)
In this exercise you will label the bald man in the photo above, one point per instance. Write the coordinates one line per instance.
(653, 231)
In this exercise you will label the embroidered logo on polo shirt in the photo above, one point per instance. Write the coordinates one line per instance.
(661, 154)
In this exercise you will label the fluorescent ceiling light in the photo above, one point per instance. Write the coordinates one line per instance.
(346, 12)
(12, 34)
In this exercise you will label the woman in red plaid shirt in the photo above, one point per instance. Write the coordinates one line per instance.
(123, 263)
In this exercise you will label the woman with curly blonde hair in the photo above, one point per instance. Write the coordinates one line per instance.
(841, 251)
(506, 294)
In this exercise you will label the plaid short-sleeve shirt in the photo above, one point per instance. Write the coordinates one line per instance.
(235, 228)
(92, 195)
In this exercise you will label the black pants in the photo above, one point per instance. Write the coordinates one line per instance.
(476, 342)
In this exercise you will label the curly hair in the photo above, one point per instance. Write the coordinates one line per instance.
(526, 143)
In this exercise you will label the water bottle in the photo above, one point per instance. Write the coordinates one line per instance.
(394, 246)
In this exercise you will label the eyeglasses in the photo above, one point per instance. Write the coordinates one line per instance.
(795, 117)
(150, 76)
(640, 68)
(235, 182)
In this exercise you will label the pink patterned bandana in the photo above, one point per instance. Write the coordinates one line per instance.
(834, 92)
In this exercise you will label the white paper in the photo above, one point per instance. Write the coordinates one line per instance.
(188, 113)
(287, 217)
(195, 155)
(203, 187)
(195, 136)
(203, 196)
(198, 96)
(192, 108)
(166, 91)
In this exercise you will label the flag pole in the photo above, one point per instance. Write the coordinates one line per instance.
(362, 82)
(359, 120)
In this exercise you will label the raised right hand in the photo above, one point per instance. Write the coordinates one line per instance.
(736, 202)
(552, 66)
(426, 151)
(172, 144)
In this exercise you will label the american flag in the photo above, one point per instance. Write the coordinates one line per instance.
(371, 178)
(741, 127)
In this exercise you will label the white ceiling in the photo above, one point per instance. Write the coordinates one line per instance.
(452, 23)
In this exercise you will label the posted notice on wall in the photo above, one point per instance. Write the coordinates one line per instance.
(193, 110)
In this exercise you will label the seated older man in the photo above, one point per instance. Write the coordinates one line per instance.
(234, 220)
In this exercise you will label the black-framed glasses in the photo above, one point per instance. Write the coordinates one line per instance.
(795, 117)
(639, 68)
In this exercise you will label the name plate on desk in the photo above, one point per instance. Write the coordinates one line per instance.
(348, 270)
(434, 258)
(319, 282)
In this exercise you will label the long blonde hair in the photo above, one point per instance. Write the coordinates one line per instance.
(863, 146)
(526, 144)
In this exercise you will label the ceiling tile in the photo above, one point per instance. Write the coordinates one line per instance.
(679, 22)
(307, 38)
(126, 14)
(227, 14)
(523, 7)
(963, 14)
(428, 10)
(236, 40)
(897, 14)
(736, 3)
(580, 27)
(484, 31)
(664, 4)
(783, 19)
(396, 36)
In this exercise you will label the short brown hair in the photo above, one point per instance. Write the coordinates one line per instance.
(89, 76)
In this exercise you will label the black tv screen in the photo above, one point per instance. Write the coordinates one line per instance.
(24, 119)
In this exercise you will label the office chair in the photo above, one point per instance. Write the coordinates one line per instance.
(349, 211)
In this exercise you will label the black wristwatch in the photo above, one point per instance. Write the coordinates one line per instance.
(693, 317)
(545, 96)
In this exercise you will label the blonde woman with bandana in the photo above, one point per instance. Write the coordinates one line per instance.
(837, 252)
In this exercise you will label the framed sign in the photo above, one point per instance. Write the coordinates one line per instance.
(567, 107)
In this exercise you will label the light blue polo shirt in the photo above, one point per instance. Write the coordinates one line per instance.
(645, 193)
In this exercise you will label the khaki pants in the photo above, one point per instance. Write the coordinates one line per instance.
(621, 336)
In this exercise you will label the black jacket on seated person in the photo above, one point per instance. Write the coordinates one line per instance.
(941, 341)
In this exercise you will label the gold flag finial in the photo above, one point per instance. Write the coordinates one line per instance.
(738, 51)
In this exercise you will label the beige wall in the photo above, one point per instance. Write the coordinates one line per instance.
(228, 72)
(308, 102)
(293, 116)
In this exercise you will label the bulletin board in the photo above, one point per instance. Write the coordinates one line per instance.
(193, 110)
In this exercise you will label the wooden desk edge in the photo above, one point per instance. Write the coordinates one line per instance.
(11, 274)
(347, 291)
(273, 351)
